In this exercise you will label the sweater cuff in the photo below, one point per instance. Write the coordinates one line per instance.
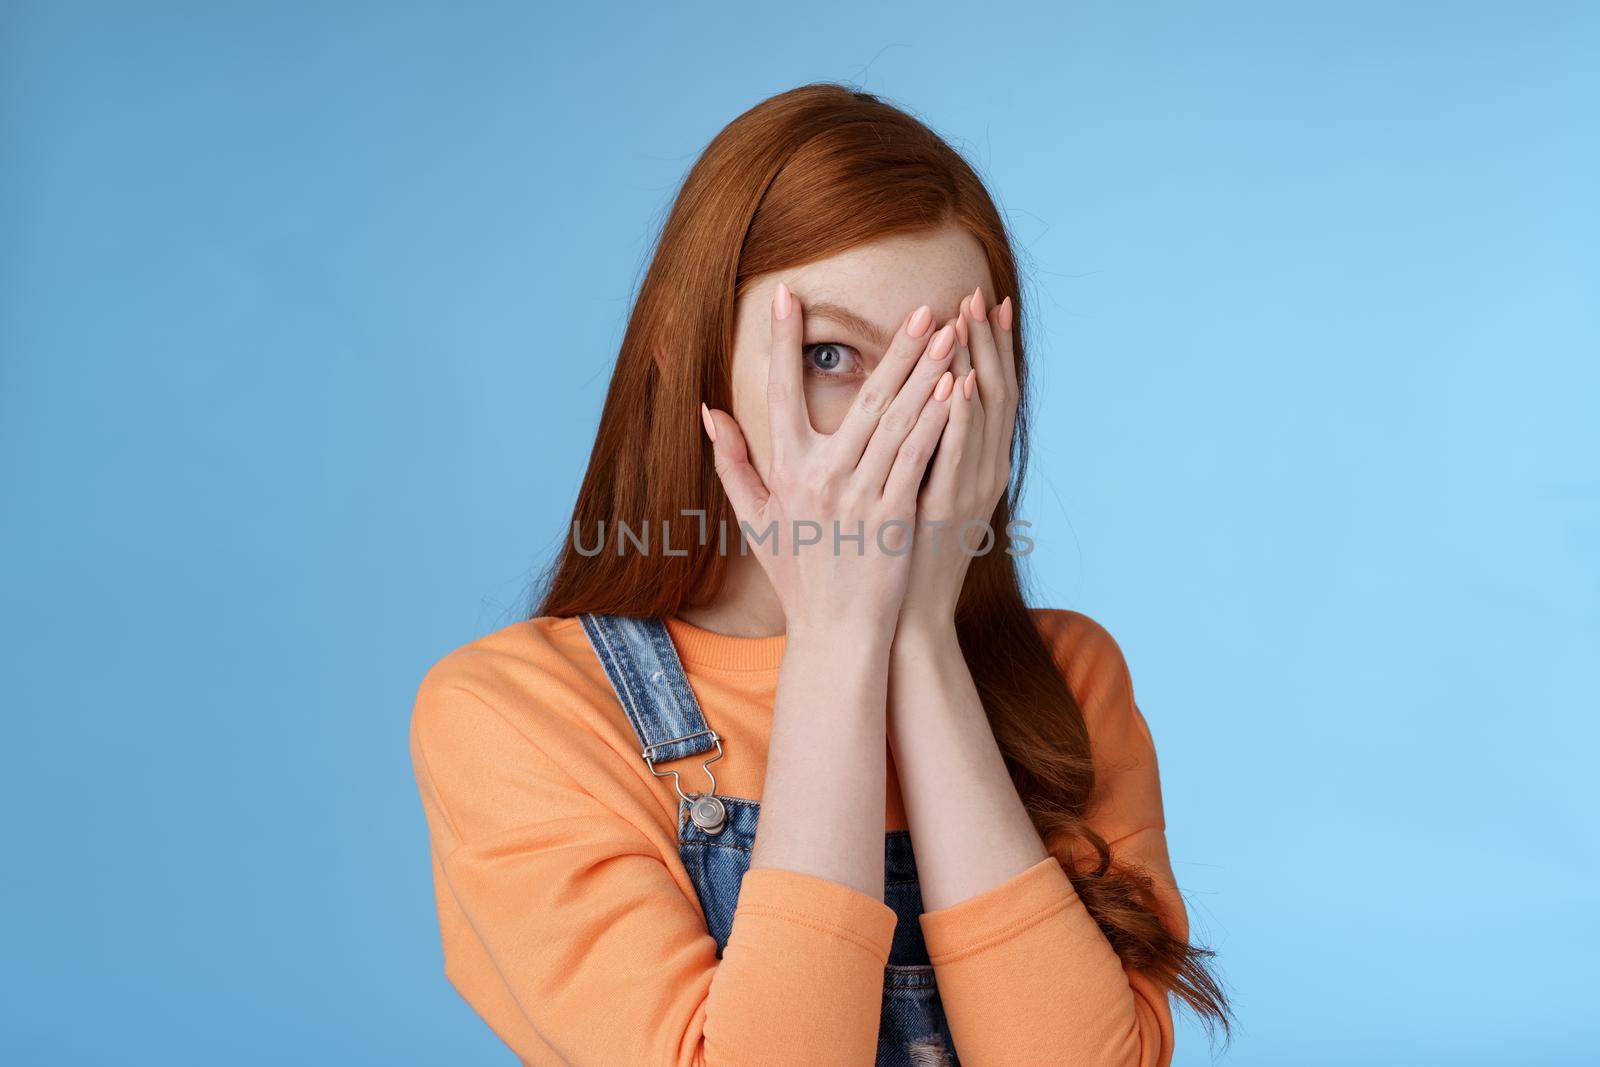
(818, 904)
(998, 914)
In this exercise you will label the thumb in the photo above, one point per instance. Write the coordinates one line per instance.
(746, 491)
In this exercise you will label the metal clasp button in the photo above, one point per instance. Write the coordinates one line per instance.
(705, 810)
(708, 813)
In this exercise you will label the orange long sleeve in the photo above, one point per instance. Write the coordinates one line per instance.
(1024, 972)
(571, 926)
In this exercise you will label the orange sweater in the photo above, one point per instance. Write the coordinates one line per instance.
(571, 926)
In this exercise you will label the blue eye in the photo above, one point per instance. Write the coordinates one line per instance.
(829, 359)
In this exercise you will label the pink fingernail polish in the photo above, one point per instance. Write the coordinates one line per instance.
(970, 383)
(961, 329)
(711, 427)
(1004, 314)
(942, 344)
(782, 301)
(921, 319)
(976, 307)
(947, 382)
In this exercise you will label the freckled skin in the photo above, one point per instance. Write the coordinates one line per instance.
(883, 281)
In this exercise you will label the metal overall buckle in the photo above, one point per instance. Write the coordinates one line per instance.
(705, 810)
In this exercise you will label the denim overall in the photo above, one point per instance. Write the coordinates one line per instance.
(716, 833)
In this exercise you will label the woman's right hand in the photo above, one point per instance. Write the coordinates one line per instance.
(862, 478)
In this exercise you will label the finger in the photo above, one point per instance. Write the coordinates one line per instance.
(912, 459)
(954, 459)
(911, 343)
(963, 357)
(991, 377)
(896, 423)
(786, 392)
(971, 460)
(1002, 318)
(746, 491)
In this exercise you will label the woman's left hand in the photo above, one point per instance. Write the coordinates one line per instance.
(971, 469)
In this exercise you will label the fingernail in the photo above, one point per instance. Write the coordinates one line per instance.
(942, 344)
(970, 383)
(921, 319)
(782, 302)
(961, 329)
(947, 382)
(976, 308)
(1003, 314)
(711, 427)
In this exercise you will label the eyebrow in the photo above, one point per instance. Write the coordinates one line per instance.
(826, 309)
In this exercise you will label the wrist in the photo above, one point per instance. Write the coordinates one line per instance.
(924, 647)
(850, 639)
(918, 632)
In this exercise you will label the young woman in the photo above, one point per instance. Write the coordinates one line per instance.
(784, 770)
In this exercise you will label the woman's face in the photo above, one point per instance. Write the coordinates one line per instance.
(853, 303)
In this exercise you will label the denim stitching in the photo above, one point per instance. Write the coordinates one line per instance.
(621, 674)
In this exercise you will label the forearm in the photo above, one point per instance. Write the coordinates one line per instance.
(802, 974)
(969, 827)
(822, 804)
(1025, 973)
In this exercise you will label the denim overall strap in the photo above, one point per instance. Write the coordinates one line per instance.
(639, 658)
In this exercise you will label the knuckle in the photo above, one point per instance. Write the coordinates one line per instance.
(913, 452)
(872, 400)
(897, 421)
(891, 506)
(821, 482)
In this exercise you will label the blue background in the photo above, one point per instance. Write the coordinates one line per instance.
(307, 315)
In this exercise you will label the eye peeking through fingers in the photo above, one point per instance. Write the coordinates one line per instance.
(831, 360)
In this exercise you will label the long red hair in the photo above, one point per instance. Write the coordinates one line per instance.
(801, 176)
